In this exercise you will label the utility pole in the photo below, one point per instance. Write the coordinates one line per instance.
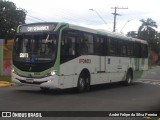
(115, 15)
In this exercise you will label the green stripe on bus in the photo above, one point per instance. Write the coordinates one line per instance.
(137, 74)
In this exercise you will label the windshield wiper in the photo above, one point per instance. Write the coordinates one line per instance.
(47, 38)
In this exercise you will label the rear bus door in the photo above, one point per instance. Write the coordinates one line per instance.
(137, 50)
(100, 48)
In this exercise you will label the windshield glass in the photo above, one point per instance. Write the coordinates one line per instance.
(35, 48)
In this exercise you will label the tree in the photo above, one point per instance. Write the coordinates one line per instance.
(10, 18)
(147, 32)
(156, 44)
(132, 34)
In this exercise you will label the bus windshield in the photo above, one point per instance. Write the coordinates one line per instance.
(35, 48)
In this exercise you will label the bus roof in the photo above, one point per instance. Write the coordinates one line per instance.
(50, 26)
(105, 33)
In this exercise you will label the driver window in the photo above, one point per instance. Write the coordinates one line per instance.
(68, 46)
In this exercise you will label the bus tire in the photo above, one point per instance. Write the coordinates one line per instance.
(129, 78)
(87, 87)
(81, 84)
(84, 81)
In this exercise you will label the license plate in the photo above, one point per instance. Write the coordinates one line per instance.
(29, 80)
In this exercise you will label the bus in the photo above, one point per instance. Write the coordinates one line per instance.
(54, 55)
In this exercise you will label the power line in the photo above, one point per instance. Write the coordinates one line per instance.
(100, 17)
(125, 25)
(31, 20)
(36, 18)
(61, 14)
(66, 14)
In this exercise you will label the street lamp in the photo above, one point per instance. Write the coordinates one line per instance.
(100, 17)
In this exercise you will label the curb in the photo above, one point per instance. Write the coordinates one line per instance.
(5, 84)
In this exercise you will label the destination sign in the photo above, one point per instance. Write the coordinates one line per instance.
(36, 28)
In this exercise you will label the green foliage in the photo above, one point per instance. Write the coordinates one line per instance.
(10, 18)
(147, 32)
(5, 78)
(132, 34)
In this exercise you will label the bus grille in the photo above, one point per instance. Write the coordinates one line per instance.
(34, 82)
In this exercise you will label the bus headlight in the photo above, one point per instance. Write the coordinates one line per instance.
(12, 70)
(49, 81)
(53, 73)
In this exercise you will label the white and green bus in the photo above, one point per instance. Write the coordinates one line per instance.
(61, 55)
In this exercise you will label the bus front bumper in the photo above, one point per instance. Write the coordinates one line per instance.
(50, 82)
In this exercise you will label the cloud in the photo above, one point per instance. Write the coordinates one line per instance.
(77, 12)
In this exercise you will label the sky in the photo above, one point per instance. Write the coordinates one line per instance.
(100, 17)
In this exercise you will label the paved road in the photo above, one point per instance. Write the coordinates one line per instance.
(111, 97)
(152, 76)
(141, 96)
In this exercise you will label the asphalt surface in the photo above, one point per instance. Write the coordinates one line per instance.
(143, 95)
(113, 97)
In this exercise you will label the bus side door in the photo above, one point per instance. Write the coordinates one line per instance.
(137, 54)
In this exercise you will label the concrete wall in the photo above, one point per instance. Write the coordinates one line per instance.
(153, 58)
(7, 58)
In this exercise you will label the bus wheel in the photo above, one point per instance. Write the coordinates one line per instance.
(81, 84)
(129, 78)
(87, 87)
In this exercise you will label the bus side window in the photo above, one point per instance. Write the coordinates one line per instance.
(137, 49)
(63, 46)
(71, 46)
(144, 51)
(124, 49)
(68, 46)
(86, 45)
(112, 46)
(99, 46)
(131, 47)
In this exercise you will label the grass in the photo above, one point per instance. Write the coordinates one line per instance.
(5, 78)
(155, 118)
